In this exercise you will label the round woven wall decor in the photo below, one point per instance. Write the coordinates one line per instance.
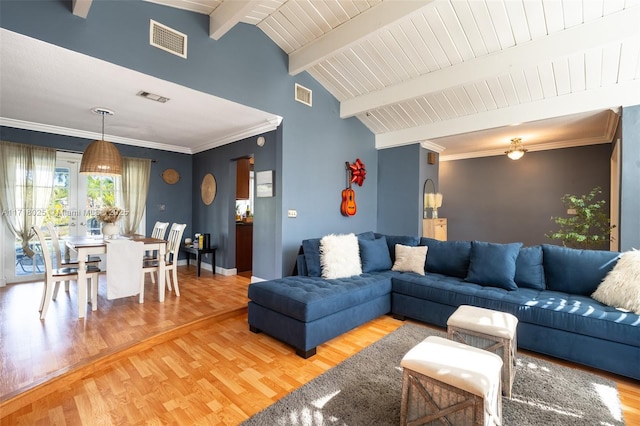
(171, 176)
(208, 189)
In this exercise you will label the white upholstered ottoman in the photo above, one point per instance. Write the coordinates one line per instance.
(445, 381)
(490, 330)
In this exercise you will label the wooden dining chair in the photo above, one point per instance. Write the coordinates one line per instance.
(53, 277)
(65, 263)
(159, 230)
(173, 248)
(171, 260)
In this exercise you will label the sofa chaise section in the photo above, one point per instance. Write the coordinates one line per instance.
(308, 311)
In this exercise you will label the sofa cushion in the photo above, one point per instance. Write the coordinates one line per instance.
(576, 271)
(493, 264)
(562, 311)
(309, 298)
(340, 256)
(392, 240)
(621, 286)
(374, 254)
(529, 270)
(311, 249)
(410, 259)
(447, 257)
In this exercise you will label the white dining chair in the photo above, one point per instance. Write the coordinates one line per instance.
(53, 277)
(65, 263)
(173, 248)
(159, 231)
(171, 260)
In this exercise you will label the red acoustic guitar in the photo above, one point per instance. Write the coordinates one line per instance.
(348, 206)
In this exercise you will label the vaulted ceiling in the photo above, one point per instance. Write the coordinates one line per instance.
(460, 76)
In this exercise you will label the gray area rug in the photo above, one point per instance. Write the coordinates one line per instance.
(365, 389)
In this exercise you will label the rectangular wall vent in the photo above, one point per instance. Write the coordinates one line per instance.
(303, 95)
(167, 39)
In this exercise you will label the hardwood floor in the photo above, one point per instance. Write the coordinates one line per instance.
(191, 360)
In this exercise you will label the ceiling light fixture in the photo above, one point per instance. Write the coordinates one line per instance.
(101, 157)
(516, 150)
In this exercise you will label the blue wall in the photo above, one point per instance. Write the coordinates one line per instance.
(403, 171)
(244, 66)
(502, 200)
(630, 181)
(176, 198)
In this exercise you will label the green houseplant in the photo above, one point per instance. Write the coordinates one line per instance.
(589, 227)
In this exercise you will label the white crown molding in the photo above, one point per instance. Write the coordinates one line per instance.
(530, 148)
(48, 128)
(264, 127)
(432, 146)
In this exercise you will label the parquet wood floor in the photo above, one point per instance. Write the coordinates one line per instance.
(204, 366)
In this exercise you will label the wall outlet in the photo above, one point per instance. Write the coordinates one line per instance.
(292, 213)
(162, 207)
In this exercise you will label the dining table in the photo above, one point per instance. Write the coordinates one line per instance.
(85, 246)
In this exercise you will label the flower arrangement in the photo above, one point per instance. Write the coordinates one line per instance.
(109, 214)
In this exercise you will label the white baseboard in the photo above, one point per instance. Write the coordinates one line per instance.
(207, 266)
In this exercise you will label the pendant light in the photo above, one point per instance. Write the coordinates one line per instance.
(101, 157)
(516, 149)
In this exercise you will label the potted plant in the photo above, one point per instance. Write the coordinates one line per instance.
(589, 227)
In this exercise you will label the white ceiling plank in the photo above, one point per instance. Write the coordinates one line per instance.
(397, 59)
(520, 84)
(485, 25)
(496, 92)
(533, 81)
(547, 80)
(373, 66)
(428, 109)
(508, 89)
(384, 73)
(464, 100)
(629, 60)
(456, 32)
(301, 21)
(518, 21)
(607, 30)
(352, 32)
(592, 10)
(501, 23)
(272, 28)
(612, 6)
(324, 77)
(593, 67)
(610, 63)
(454, 102)
(561, 75)
(81, 7)
(553, 16)
(470, 28)
(443, 37)
(296, 38)
(416, 39)
(442, 106)
(623, 94)
(485, 94)
(409, 49)
(310, 16)
(576, 72)
(535, 18)
(476, 98)
(573, 13)
(227, 15)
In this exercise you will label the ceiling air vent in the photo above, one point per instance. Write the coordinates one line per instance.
(167, 39)
(303, 95)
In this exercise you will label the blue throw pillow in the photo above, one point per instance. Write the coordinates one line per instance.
(576, 271)
(374, 255)
(311, 249)
(447, 257)
(493, 264)
(392, 240)
(529, 270)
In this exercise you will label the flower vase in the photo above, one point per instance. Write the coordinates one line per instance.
(434, 214)
(110, 230)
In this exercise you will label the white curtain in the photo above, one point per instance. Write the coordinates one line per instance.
(26, 185)
(134, 187)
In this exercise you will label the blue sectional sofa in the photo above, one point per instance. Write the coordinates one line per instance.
(546, 287)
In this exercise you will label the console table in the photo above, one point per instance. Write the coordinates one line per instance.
(189, 250)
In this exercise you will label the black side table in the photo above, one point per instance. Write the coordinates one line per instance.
(198, 253)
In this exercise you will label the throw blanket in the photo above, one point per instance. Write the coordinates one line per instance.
(124, 268)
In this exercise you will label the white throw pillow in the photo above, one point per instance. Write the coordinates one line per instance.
(410, 259)
(340, 256)
(621, 287)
